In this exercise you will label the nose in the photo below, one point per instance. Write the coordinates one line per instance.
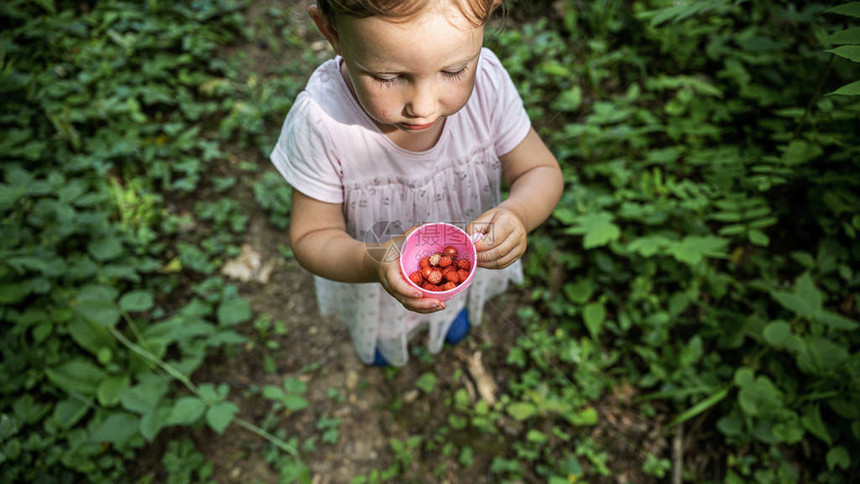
(422, 101)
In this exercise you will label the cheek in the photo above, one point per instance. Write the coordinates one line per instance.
(377, 105)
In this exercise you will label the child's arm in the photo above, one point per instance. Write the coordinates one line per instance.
(322, 246)
(536, 184)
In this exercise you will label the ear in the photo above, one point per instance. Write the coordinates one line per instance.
(325, 27)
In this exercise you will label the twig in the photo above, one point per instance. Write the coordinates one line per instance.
(678, 455)
(279, 443)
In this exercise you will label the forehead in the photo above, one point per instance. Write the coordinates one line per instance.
(440, 34)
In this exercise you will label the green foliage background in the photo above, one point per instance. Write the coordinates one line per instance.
(705, 251)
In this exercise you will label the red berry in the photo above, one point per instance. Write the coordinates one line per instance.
(416, 277)
(448, 286)
(426, 271)
(424, 262)
(464, 264)
(434, 259)
(450, 251)
(435, 276)
(453, 276)
(429, 287)
(445, 261)
(448, 269)
(463, 275)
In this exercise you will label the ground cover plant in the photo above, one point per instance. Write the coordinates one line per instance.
(691, 310)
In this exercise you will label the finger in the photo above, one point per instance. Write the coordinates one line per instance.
(481, 224)
(424, 305)
(502, 255)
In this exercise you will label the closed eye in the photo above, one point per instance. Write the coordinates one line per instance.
(386, 80)
(455, 75)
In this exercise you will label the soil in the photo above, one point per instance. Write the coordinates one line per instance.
(372, 405)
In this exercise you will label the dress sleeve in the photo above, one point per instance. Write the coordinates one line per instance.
(508, 118)
(304, 154)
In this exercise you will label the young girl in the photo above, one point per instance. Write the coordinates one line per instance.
(413, 121)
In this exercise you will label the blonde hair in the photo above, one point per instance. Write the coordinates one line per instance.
(476, 12)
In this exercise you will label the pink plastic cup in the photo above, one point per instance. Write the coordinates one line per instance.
(429, 239)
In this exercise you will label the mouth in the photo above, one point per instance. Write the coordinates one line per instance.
(416, 127)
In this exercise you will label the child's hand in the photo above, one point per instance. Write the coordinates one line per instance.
(505, 238)
(395, 283)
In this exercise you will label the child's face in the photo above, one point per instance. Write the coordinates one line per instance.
(410, 75)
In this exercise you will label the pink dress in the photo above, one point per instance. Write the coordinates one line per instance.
(330, 150)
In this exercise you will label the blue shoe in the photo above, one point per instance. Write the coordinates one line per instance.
(459, 328)
(378, 359)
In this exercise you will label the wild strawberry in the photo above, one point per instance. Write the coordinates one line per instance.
(429, 287)
(448, 286)
(462, 275)
(435, 276)
(434, 259)
(426, 271)
(424, 262)
(445, 261)
(453, 276)
(448, 269)
(450, 251)
(464, 264)
(416, 277)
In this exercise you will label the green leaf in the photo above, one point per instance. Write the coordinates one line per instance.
(649, 245)
(294, 385)
(813, 422)
(850, 9)
(805, 300)
(108, 390)
(587, 416)
(96, 303)
(426, 382)
(117, 429)
(694, 248)
(28, 410)
(295, 402)
(186, 410)
(521, 410)
(760, 397)
(234, 311)
(851, 89)
(140, 300)
(599, 229)
(14, 292)
(153, 422)
(143, 397)
(820, 355)
(850, 35)
(220, 415)
(77, 376)
(778, 334)
(838, 457)
(594, 315)
(90, 336)
(273, 392)
(70, 410)
(105, 249)
(579, 292)
(836, 320)
(850, 52)
(759, 238)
